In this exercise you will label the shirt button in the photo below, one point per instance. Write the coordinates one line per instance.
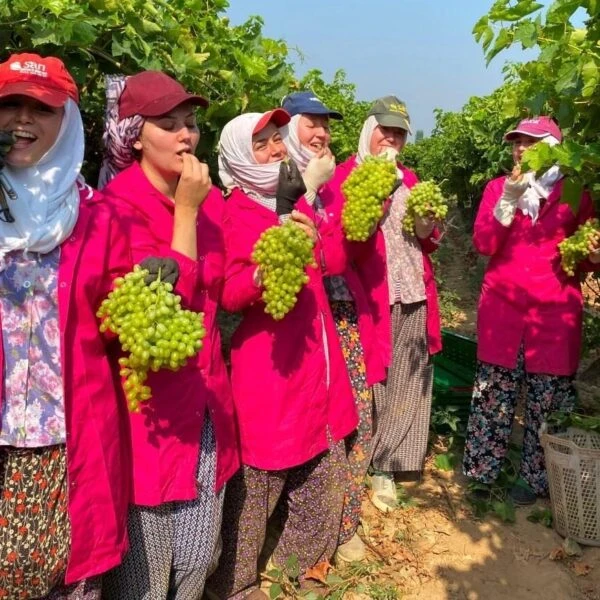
(27, 284)
(63, 284)
(72, 238)
(201, 257)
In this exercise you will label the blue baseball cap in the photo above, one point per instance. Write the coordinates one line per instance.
(307, 103)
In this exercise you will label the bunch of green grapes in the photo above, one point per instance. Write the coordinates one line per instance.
(365, 191)
(282, 253)
(153, 329)
(576, 248)
(425, 200)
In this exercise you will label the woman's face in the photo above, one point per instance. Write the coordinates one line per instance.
(164, 139)
(387, 137)
(313, 132)
(520, 143)
(35, 126)
(267, 145)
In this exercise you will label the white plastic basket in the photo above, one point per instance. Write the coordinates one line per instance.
(573, 465)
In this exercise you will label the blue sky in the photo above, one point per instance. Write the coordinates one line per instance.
(422, 51)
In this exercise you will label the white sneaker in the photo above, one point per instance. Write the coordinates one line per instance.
(383, 492)
(353, 550)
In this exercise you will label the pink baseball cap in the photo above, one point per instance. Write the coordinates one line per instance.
(537, 127)
(44, 78)
(154, 93)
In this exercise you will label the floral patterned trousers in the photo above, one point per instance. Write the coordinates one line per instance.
(493, 406)
(358, 444)
(34, 526)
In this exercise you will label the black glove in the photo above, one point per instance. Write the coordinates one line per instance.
(290, 187)
(166, 267)
(396, 185)
(6, 142)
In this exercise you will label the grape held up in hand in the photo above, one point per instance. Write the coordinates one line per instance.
(153, 329)
(365, 190)
(425, 200)
(577, 247)
(282, 253)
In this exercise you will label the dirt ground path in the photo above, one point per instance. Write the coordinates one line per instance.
(437, 550)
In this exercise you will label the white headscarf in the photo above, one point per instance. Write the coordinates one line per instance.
(529, 201)
(364, 141)
(47, 206)
(237, 165)
(299, 153)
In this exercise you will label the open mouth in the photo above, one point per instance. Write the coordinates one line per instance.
(24, 139)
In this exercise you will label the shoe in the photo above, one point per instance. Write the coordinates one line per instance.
(351, 551)
(383, 492)
(521, 494)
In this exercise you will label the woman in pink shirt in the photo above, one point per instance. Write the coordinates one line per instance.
(64, 452)
(530, 313)
(395, 270)
(290, 386)
(183, 442)
(307, 139)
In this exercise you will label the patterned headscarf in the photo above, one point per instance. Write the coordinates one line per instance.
(119, 135)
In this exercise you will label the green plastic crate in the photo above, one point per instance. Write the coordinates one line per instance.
(454, 370)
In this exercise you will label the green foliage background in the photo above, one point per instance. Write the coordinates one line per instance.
(237, 68)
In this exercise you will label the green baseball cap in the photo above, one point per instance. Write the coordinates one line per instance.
(391, 112)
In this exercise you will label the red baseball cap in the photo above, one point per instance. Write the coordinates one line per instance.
(44, 78)
(154, 93)
(278, 117)
(537, 127)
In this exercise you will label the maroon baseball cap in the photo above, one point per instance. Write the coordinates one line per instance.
(278, 117)
(537, 127)
(43, 78)
(154, 93)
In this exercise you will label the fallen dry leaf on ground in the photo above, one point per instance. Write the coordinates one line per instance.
(581, 569)
(319, 571)
(557, 554)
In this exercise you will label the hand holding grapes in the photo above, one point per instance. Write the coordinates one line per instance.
(163, 269)
(594, 247)
(290, 187)
(425, 206)
(514, 187)
(194, 183)
(319, 171)
(424, 225)
(305, 223)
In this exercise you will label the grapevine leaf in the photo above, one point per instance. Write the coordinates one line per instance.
(571, 193)
(275, 591)
(444, 462)
(526, 33)
(567, 78)
(292, 566)
(480, 28)
(503, 40)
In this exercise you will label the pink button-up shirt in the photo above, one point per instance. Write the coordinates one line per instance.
(98, 465)
(166, 434)
(526, 297)
(290, 382)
